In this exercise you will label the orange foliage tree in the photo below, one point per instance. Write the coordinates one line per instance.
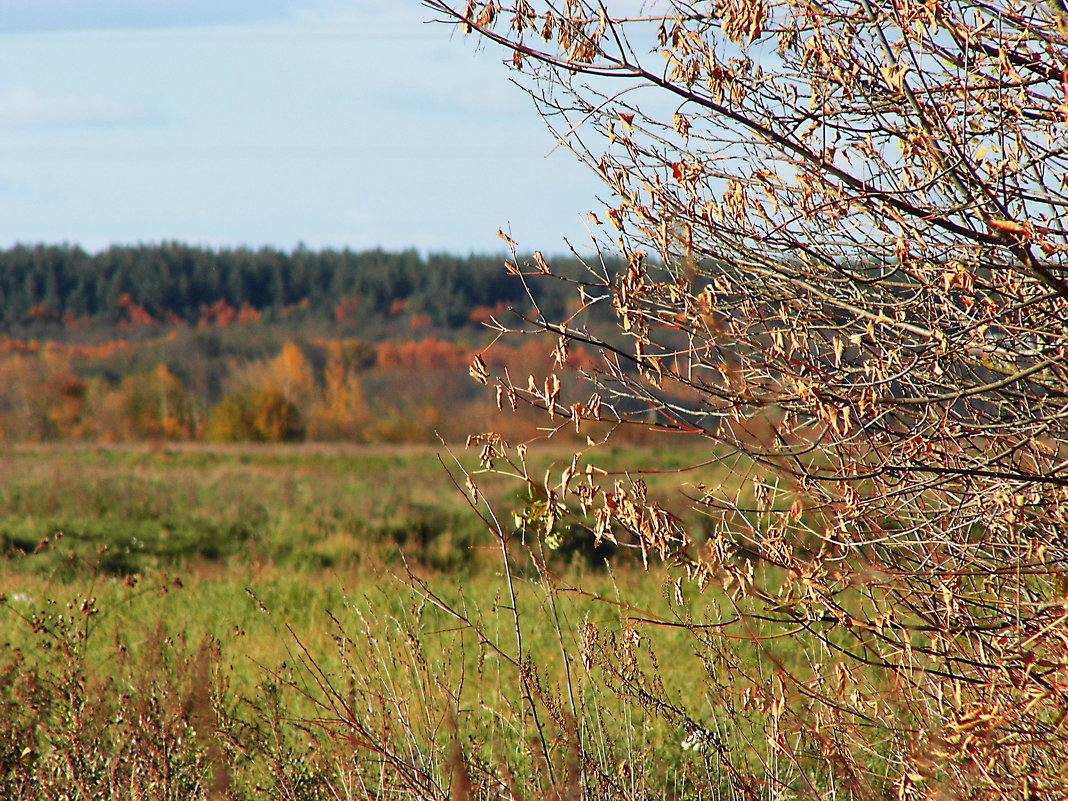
(428, 353)
(291, 374)
(41, 397)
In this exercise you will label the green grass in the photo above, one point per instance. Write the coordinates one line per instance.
(123, 511)
(307, 509)
(244, 619)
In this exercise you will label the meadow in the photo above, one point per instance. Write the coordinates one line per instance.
(332, 622)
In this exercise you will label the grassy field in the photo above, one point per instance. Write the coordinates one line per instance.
(326, 622)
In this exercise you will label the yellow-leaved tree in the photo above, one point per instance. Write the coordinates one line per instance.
(343, 413)
(267, 402)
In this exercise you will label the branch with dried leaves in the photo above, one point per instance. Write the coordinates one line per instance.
(845, 263)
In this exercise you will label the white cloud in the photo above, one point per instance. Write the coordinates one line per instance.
(23, 108)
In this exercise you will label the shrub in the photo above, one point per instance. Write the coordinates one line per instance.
(262, 415)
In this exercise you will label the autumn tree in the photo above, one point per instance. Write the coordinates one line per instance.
(289, 373)
(42, 397)
(157, 406)
(267, 401)
(343, 412)
(255, 415)
(846, 255)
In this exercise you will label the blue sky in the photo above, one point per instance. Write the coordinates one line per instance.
(336, 123)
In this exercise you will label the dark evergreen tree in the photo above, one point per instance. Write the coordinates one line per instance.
(173, 280)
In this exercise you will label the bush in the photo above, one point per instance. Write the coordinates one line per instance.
(262, 415)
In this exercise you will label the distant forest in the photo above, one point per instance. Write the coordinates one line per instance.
(175, 342)
(174, 282)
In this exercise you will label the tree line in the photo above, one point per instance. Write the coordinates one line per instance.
(172, 282)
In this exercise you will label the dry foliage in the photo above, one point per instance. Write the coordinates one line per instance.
(844, 228)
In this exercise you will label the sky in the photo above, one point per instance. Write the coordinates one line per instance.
(228, 123)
